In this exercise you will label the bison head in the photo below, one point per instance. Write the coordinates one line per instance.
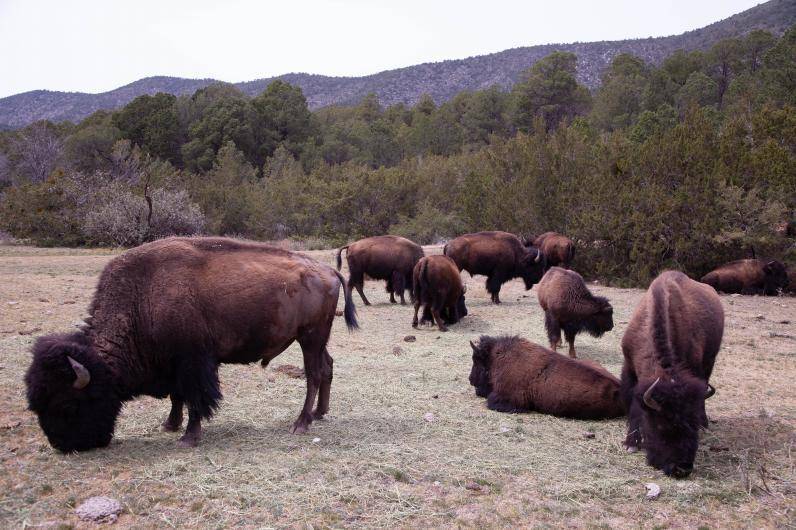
(602, 320)
(532, 266)
(479, 374)
(672, 412)
(69, 389)
(776, 277)
(461, 309)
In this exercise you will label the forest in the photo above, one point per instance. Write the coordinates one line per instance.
(684, 165)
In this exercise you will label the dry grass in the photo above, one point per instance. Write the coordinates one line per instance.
(377, 461)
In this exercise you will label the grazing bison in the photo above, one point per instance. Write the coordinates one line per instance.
(390, 258)
(438, 286)
(569, 305)
(670, 346)
(748, 276)
(164, 316)
(516, 375)
(499, 256)
(557, 249)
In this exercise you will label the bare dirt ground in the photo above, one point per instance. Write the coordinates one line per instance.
(376, 461)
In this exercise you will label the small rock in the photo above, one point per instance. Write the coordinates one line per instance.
(29, 331)
(717, 448)
(653, 490)
(759, 317)
(435, 396)
(316, 440)
(784, 322)
(338, 313)
(68, 302)
(735, 294)
(397, 351)
(588, 435)
(99, 509)
(503, 428)
(13, 303)
(270, 378)
(43, 300)
(410, 338)
(472, 486)
(428, 416)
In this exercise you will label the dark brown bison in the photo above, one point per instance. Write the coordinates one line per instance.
(516, 375)
(499, 256)
(437, 285)
(569, 305)
(164, 316)
(749, 276)
(670, 346)
(558, 250)
(390, 258)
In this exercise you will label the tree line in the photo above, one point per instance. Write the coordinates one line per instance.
(682, 165)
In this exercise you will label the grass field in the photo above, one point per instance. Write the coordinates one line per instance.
(376, 461)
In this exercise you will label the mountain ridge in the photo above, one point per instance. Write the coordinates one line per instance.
(441, 80)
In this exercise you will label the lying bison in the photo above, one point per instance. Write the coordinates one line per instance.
(557, 249)
(749, 276)
(518, 376)
(437, 285)
(390, 258)
(164, 316)
(499, 256)
(670, 346)
(569, 305)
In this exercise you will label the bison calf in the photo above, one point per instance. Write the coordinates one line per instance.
(569, 305)
(438, 286)
(749, 276)
(164, 316)
(390, 258)
(516, 375)
(670, 347)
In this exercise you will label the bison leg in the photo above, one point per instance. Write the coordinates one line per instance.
(358, 287)
(327, 373)
(553, 330)
(193, 432)
(417, 308)
(493, 284)
(498, 404)
(570, 336)
(313, 350)
(391, 288)
(174, 421)
(398, 286)
(435, 312)
(626, 390)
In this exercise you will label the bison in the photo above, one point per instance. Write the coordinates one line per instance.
(749, 276)
(499, 256)
(438, 286)
(569, 305)
(164, 316)
(670, 347)
(557, 249)
(390, 258)
(516, 375)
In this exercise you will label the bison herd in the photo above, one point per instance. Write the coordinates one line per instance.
(167, 313)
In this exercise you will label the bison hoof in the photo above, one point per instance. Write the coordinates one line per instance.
(443, 329)
(170, 426)
(299, 428)
(318, 414)
(414, 324)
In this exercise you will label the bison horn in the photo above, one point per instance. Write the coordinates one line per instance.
(473, 346)
(538, 256)
(648, 399)
(83, 376)
(710, 391)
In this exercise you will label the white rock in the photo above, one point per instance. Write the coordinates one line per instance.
(99, 509)
(653, 490)
(503, 428)
(428, 416)
(316, 440)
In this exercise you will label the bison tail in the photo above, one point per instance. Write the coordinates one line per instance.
(340, 257)
(349, 311)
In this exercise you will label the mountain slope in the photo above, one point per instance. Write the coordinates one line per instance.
(441, 80)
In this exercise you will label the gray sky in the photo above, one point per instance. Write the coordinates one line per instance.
(98, 45)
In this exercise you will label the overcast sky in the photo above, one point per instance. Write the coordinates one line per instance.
(98, 45)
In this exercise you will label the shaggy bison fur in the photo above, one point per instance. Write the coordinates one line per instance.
(499, 256)
(670, 347)
(569, 305)
(437, 285)
(749, 276)
(516, 375)
(164, 316)
(389, 258)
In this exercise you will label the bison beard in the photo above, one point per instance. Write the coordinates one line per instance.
(164, 316)
(670, 347)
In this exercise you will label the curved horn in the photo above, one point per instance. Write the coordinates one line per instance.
(710, 391)
(648, 400)
(83, 376)
(473, 346)
(538, 255)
